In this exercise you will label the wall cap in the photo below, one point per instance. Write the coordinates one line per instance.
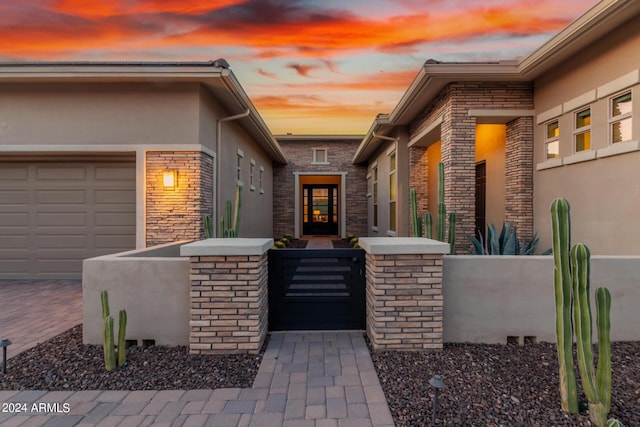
(224, 247)
(402, 245)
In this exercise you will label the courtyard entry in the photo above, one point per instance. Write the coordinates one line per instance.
(316, 289)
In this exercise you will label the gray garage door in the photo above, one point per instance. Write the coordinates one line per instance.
(55, 214)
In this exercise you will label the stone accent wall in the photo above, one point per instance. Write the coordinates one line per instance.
(229, 304)
(458, 146)
(404, 301)
(418, 179)
(173, 215)
(299, 152)
(519, 172)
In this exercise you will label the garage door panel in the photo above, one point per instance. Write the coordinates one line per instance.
(59, 242)
(13, 197)
(62, 197)
(122, 173)
(12, 242)
(61, 219)
(115, 196)
(63, 173)
(10, 220)
(115, 218)
(14, 172)
(114, 242)
(55, 214)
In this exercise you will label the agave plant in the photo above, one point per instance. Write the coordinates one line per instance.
(505, 243)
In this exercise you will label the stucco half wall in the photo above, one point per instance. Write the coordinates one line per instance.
(152, 285)
(490, 298)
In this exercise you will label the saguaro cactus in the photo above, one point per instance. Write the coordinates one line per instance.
(230, 222)
(561, 229)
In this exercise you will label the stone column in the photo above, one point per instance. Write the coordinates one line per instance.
(404, 292)
(519, 175)
(229, 301)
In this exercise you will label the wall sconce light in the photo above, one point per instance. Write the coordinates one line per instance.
(170, 179)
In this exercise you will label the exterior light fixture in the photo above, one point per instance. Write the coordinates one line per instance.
(437, 384)
(4, 344)
(170, 179)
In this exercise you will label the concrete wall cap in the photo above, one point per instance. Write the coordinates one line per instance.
(402, 245)
(223, 247)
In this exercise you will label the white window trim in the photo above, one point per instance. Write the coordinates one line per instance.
(326, 156)
(261, 172)
(577, 131)
(239, 157)
(374, 201)
(252, 166)
(619, 118)
(395, 172)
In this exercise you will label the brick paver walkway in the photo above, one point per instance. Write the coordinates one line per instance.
(34, 311)
(314, 379)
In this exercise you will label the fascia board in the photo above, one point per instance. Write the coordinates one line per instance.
(368, 144)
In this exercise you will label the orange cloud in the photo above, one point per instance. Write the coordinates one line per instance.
(106, 8)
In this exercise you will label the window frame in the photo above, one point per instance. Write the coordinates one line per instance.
(621, 117)
(252, 167)
(314, 159)
(555, 139)
(577, 131)
(239, 157)
(393, 182)
(374, 175)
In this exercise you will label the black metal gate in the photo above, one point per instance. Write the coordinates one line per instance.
(316, 289)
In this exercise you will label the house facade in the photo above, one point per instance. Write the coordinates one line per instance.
(514, 135)
(104, 157)
(319, 192)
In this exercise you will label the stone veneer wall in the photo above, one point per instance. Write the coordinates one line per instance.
(419, 179)
(300, 155)
(404, 292)
(458, 134)
(229, 295)
(173, 215)
(519, 172)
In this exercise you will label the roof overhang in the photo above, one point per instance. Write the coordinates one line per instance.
(214, 75)
(434, 76)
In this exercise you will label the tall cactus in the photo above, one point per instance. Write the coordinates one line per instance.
(596, 382)
(561, 229)
(230, 221)
(442, 233)
(208, 226)
(107, 335)
(573, 281)
(122, 343)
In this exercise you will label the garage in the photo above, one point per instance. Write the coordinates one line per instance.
(54, 214)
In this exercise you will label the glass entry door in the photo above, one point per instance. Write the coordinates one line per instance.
(320, 209)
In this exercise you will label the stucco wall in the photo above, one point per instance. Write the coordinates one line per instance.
(488, 298)
(603, 191)
(154, 290)
(100, 113)
(256, 213)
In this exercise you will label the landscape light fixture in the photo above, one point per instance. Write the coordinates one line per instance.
(170, 179)
(4, 344)
(437, 384)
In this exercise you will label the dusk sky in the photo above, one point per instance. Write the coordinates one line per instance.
(325, 66)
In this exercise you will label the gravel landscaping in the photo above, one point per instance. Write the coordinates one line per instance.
(64, 363)
(498, 385)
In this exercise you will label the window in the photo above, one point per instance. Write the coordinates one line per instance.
(252, 166)
(374, 173)
(551, 143)
(392, 191)
(320, 156)
(620, 119)
(261, 179)
(239, 157)
(583, 130)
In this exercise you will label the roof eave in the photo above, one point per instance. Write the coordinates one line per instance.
(602, 18)
(369, 144)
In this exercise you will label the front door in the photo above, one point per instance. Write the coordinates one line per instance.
(320, 209)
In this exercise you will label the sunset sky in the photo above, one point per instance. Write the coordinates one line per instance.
(309, 66)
